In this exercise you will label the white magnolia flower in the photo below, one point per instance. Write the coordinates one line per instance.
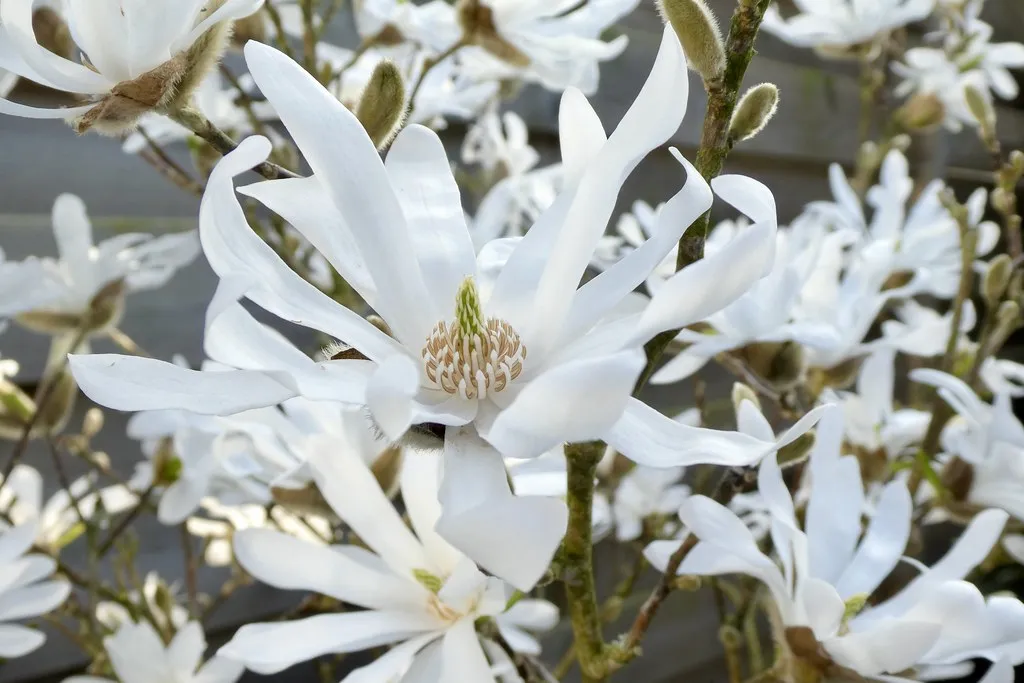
(213, 99)
(120, 40)
(396, 232)
(24, 590)
(990, 438)
(557, 45)
(872, 421)
(827, 570)
(766, 313)
(645, 492)
(841, 24)
(431, 24)
(24, 285)
(57, 520)
(918, 330)
(83, 270)
(420, 594)
(968, 59)
(1003, 376)
(218, 528)
(114, 615)
(136, 653)
(500, 146)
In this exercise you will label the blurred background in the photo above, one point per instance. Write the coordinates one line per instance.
(816, 125)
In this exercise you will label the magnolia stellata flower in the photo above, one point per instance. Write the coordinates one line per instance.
(384, 23)
(57, 519)
(214, 100)
(519, 194)
(872, 421)
(838, 25)
(137, 653)
(557, 45)
(24, 591)
(154, 598)
(138, 56)
(968, 59)
(537, 346)
(24, 285)
(84, 287)
(918, 330)
(420, 594)
(989, 438)
(645, 492)
(829, 570)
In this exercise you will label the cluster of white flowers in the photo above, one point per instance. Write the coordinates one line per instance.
(472, 425)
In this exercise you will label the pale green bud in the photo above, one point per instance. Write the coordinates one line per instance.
(981, 109)
(92, 423)
(741, 392)
(698, 33)
(923, 112)
(1007, 321)
(381, 107)
(755, 109)
(997, 277)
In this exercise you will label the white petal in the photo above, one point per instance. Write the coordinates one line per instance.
(186, 649)
(580, 133)
(513, 537)
(1001, 671)
(236, 252)
(219, 670)
(833, 515)
(392, 664)
(463, 657)
(823, 605)
(287, 562)
(18, 641)
(33, 600)
(883, 544)
(547, 411)
(135, 383)
(390, 393)
(888, 648)
(343, 157)
(354, 494)
(27, 112)
(421, 482)
(422, 177)
(269, 648)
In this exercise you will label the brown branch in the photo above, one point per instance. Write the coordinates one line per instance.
(196, 122)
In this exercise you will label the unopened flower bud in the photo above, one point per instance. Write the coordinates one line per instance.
(1016, 162)
(381, 107)
(252, 27)
(1002, 201)
(868, 156)
(740, 393)
(698, 33)
(1007, 322)
(59, 402)
(167, 465)
(922, 113)
(15, 403)
(755, 109)
(901, 142)
(92, 423)
(997, 277)
(980, 105)
(106, 306)
(687, 582)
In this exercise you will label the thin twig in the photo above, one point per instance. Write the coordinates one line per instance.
(429, 63)
(127, 520)
(173, 168)
(196, 122)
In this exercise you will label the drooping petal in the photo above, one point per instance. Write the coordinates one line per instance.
(135, 383)
(547, 412)
(272, 647)
(513, 537)
(287, 562)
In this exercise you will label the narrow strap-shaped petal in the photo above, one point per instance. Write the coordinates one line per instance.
(883, 544)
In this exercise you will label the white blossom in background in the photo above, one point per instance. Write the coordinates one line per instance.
(967, 59)
(988, 437)
(24, 285)
(25, 590)
(872, 421)
(646, 492)
(59, 300)
(160, 30)
(57, 519)
(114, 615)
(432, 24)
(218, 524)
(213, 99)
(137, 653)
(553, 347)
(419, 594)
(918, 330)
(499, 145)
(824, 571)
(840, 25)
(557, 45)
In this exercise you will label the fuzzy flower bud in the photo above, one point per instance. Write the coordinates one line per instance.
(92, 423)
(922, 113)
(982, 110)
(381, 107)
(755, 109)
(698, 33)
(997, 277)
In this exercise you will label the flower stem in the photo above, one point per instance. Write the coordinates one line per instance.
(715, 145)
(577, 551)
(196, 122)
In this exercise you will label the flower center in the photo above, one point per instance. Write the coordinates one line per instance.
(472, 356)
